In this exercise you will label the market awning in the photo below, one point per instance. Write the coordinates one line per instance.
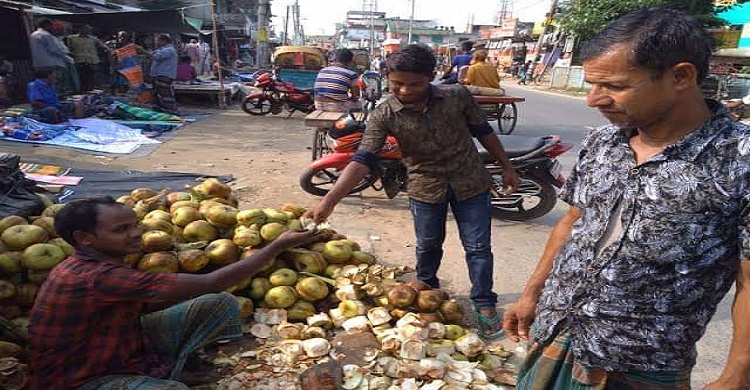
(166, 21)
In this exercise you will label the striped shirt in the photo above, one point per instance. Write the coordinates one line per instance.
(333, 83)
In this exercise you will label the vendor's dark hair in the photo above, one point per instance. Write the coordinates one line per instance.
(184, 59)
(80, 215)
(43, 72)
(413, 59)
(660, 38)
(467, 45)
(164, 37)
(44, 23)
(343, 56)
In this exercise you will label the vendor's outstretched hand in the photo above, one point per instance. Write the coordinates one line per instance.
(320, 212)
(292, 238)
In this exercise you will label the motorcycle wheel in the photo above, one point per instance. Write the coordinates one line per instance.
(533, 199)
(319, 181)
(256, 106)
(507, 117)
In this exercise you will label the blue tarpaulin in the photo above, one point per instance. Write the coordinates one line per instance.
(739, 14)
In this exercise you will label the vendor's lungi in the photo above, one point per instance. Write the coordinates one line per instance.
(176, 332)
(165, 94)
(553, 367)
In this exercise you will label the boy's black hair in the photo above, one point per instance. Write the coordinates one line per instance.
(413, 59)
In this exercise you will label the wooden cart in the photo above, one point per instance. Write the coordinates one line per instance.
(502, 109)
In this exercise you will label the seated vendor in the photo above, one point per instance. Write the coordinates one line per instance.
(185, 70)
(335, 87)
(44, 100)
(99, 323)
(481, 78)
(225, 72)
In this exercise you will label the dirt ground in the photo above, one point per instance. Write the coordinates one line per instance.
(266, 155)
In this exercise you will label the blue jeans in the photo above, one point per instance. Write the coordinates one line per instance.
(473, 219)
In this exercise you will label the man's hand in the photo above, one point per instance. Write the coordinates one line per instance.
(320, 212)
(517, 319)
(291, 239)
(510, 180)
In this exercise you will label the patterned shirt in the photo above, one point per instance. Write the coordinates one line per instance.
(333, 83)
(644, 302)
(85, 323)
(436, 144)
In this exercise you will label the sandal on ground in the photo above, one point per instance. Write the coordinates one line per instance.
(487, 326)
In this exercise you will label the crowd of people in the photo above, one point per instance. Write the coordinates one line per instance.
(82, 62)
(656, 233)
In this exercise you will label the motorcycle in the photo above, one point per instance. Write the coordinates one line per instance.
(276, 95)
(534, 159)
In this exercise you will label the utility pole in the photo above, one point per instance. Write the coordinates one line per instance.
(369, 7)
(546, 24)
(286, 26)
(262, 35)
(411, 22)
(215, 41)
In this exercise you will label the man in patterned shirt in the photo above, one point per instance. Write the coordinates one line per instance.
(434, 126)
(658, 228)
(97, 323)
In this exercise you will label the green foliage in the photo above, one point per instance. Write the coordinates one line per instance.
(585, 18)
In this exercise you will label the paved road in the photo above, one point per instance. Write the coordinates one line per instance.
(518, 245)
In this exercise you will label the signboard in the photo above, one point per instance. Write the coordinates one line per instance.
(485, 33)
(508, 29)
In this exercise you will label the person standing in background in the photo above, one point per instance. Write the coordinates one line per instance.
(163, 72)
(192, 50)
(204, 57)
(85, 50)
(48, 51)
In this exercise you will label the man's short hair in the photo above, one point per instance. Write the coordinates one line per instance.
(343, 56)
(660, 38)
(164, 37)
(466, 46)
(479, 56)
(413, 59)
(43, 72)
(44, 23)
(80, 215)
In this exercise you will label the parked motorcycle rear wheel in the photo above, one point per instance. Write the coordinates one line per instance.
(533, 199)
(257, 106)
(319, 181)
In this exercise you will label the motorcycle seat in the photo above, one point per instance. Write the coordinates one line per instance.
(515, 146)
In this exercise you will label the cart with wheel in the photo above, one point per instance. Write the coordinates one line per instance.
(502, 109)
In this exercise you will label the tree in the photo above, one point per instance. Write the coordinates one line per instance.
(585, 18)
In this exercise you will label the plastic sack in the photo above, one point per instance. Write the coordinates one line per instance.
(18, 195)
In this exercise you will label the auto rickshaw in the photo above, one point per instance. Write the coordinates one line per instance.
(299, 64)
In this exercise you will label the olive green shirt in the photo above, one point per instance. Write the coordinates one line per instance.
(85, 49)
(436, 144)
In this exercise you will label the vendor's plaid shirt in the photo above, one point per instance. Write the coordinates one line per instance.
(645, 301)
(436, 144)
(85, 323)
